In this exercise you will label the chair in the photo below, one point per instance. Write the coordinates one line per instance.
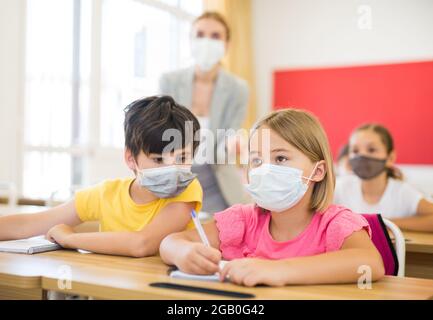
(393, 256)
(400, 245)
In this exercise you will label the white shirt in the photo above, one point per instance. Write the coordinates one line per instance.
(399, 200)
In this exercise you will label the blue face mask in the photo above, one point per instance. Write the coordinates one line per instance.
(277, 188)
(165, 182)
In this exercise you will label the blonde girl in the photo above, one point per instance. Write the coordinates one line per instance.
(292, 234)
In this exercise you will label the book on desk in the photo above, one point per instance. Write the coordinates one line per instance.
(28, 246)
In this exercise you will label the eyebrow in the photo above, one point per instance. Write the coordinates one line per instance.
(273, 150)
(279, 150)
(372, 143)
(368, 144)
(157, 155)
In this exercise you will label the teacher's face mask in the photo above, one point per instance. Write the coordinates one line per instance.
(367, 168)
(277, 188)
(207, 52)
(165, 182)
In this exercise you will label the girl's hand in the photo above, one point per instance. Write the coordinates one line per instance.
(199, 259)
(59, 234)
(251, 272)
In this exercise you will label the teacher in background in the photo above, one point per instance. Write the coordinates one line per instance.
(218, 99)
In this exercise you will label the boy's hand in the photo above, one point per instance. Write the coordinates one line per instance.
(251, 272)
(199, 259)
(59, 234)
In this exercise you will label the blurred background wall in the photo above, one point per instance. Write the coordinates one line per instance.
(69, 67)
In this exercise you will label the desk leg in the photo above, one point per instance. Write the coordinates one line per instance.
(419, 265)
(11, 293)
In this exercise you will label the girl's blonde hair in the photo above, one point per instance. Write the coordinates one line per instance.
(303, 130)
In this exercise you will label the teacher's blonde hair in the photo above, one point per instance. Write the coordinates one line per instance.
(303, 130)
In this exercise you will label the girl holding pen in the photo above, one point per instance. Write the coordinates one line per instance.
(292, 234)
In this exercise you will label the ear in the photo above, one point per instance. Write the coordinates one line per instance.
(391, 159)
(320, 172)
(130, 160)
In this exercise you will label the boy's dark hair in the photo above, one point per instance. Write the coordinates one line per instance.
(147, 119)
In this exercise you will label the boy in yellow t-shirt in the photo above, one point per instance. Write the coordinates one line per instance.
(134, 214)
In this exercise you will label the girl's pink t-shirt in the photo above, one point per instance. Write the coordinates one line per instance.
(244, 232)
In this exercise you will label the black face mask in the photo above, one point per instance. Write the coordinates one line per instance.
(367, 168)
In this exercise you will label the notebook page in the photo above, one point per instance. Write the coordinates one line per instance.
(28, 246)
(186, 276)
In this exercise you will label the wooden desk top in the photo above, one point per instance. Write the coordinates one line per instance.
(7, 210)
(112, 277)
(421, 242)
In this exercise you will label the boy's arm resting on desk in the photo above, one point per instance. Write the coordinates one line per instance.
(173, 218)
(186, 251)
(422, 221)
(329, 268)
(21, 226)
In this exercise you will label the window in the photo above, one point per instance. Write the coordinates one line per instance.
(48, 109)
(85, 61)
(139, 43)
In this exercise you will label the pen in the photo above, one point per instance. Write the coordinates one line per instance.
(199, 228)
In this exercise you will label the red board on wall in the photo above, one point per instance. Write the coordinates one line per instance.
(399, 96)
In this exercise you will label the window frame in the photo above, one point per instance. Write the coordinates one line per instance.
(86, 151)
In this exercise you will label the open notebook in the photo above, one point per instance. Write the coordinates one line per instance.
(28, 246)
(186, 276)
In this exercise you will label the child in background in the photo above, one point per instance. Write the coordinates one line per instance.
(343, 165)
(135, 214)
(377, 185)
(292, 235)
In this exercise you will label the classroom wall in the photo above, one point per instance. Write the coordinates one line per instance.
(11, 75)
(322, 33)
(317, 33)
(296, 34)
(286, 34)
(397, 95)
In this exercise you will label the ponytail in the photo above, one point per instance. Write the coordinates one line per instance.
(394, 173)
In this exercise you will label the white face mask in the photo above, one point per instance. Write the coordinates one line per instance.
(165, 182)
(207, 52)
(277, 188)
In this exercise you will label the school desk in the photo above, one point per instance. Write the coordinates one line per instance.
(419, 246)
(5, 209)
(88, 226)
(109, 277)
(419, 254)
